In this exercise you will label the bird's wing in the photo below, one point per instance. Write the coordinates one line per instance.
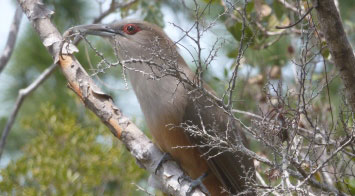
(232, 169)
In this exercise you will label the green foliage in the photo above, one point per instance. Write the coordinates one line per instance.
(30, 58)
(69, 157)
(74, 11)
(237, 30)
(278, 9)
(212, 1)
(249, 8)
(276, 54)
(151, 12)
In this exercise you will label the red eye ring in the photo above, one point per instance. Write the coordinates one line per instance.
(131, 29)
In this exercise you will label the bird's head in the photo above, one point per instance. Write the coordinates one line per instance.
(134, 39)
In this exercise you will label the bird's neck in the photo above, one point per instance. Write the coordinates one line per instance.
(161, 97)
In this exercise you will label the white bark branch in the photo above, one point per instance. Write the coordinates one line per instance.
(146, 153)
(23, 93)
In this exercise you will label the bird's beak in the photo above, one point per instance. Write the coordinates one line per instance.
(97, 29)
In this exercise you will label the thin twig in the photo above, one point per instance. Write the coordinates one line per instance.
(288, 5)
(143, 190)
(292, 25)
(334, 153)
(113, 7)
(11, 40)
(22, 94)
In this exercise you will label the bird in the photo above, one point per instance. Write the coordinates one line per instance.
(180, 117)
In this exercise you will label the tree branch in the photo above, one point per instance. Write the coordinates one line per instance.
(22, 94)
(339, 46)
(113, 6)
(11, 40)
(146, 153)
(41, 78)
(294, 24)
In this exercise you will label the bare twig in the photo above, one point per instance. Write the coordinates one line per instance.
(113, 7)
(294, 24)
(22, 94)
(334, 153)
(11, 40)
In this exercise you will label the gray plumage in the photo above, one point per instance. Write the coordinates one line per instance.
(154, 66)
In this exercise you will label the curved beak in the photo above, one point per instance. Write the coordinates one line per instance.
(97, 29)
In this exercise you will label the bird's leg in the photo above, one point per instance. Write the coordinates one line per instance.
(197, 183)
(163, 159)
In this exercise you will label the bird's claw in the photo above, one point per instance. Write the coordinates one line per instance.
(196, 183)
(164, 158)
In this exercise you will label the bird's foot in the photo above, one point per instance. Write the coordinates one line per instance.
(164, 158)
(196, 183)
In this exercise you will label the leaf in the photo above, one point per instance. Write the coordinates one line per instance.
(285, 21)
(236, 31)
(325, 51)
(350, 185)
(265, 10)
(274, 21)
(216, 79)
(278, 9)
(225, 72)
(233, 53)
(250, 7)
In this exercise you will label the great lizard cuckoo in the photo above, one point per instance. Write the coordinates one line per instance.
(180, 116)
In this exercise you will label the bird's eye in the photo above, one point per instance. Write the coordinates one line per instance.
(130, 29)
